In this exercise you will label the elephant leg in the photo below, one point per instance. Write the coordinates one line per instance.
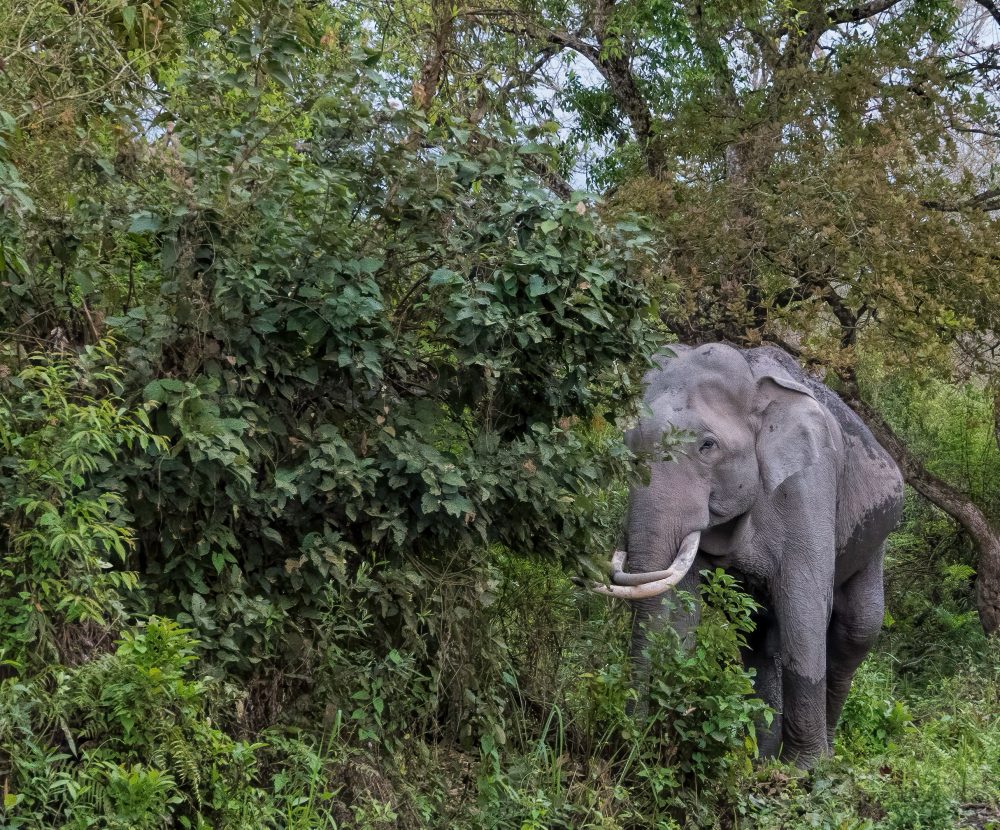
(803, 605)
(858, 609)
(763, 655)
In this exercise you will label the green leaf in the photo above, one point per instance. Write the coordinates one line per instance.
(537, 286)
(444, 276)
(144, 222)
(279, 73)
(593, 314)
(369, 265)
(532, 148)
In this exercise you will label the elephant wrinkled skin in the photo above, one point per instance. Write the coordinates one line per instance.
(783, 486)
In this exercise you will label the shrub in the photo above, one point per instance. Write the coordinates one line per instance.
(64, 429)
(702, 709)
(121, 740)
(872, 716)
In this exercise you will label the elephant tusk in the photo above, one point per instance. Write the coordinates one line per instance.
(618, 562)
(640, 586)
(621, 577)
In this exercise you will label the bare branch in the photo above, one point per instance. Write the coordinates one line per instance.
(965, 128)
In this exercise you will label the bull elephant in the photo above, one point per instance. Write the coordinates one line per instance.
(783, 486)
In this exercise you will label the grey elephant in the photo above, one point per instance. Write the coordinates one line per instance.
(783, 486)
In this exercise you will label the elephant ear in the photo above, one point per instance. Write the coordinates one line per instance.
(794, 431)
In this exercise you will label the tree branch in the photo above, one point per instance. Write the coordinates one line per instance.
(425, 87)
(965, 128)
(550, 178)
(988, 200)
(992, 8)
(845, 316)
(823, 21)
(614, 66)
(553, 181)
(855, 14)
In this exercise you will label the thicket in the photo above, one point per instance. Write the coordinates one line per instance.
(309, 394)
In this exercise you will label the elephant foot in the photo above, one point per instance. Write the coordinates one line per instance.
(804, 724)
(804, 757)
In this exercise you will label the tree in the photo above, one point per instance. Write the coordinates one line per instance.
(816, 175)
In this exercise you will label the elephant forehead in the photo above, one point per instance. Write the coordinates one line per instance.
(689, 388)
(692, 414)
(711, 364)
(701, 406)
(648, 434)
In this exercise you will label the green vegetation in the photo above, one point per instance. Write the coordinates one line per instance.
(313, 371)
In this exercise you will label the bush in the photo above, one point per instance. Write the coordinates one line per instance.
(588, 762)
(373, 347)
(872, 716)
(121, 740)
(702, 709)
(64, 429)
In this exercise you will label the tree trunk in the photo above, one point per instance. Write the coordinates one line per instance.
(953, 502)
(425, 88)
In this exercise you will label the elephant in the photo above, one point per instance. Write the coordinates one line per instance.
(782, 486)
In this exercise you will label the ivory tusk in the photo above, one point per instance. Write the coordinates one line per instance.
(617, 562)
(640, 586)
(621, 577)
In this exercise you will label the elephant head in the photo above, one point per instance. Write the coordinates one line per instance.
(746, 435)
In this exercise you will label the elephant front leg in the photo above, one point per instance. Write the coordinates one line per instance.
(804, 613)
(762, 655)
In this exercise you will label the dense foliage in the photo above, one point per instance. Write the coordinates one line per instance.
(313, 371)
(362, 338)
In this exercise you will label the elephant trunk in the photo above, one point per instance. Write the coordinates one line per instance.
(664, 529)
(652, 606)
(666, 518)
(651, 611)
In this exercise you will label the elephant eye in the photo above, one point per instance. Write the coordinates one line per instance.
(707, 444)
